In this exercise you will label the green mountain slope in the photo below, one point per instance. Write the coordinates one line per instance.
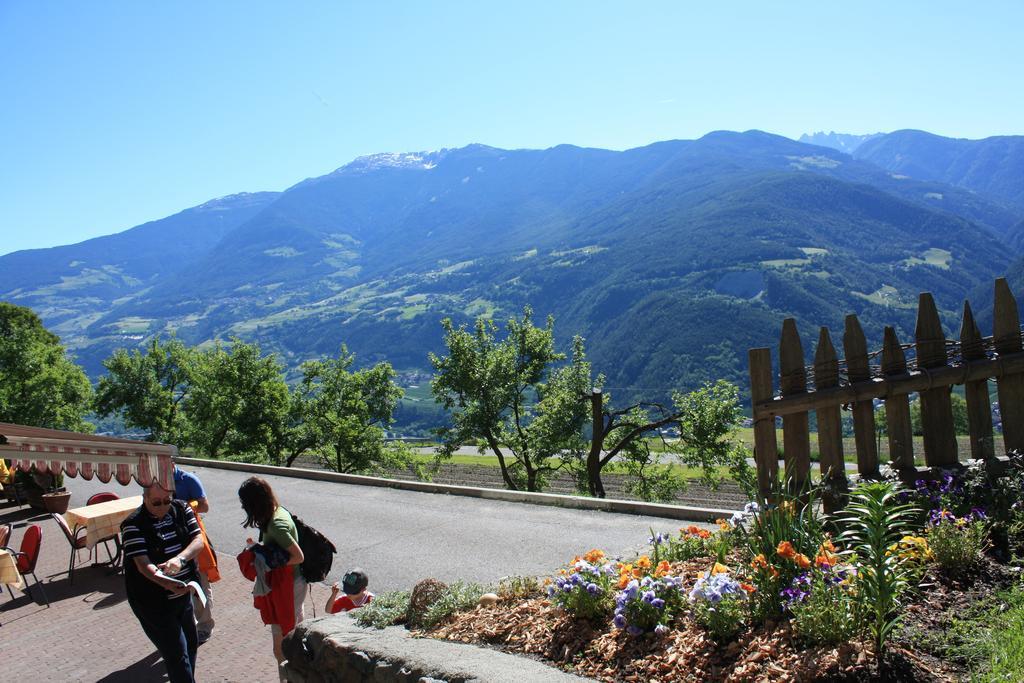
(993, 166)
(671, 259)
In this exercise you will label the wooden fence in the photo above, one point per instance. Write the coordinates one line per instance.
(935, 366)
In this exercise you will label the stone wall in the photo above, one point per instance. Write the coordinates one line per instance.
(333, 649)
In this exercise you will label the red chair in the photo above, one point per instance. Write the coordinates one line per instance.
(102, 497)
(27, 557)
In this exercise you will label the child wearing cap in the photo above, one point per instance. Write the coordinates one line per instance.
(354, 584)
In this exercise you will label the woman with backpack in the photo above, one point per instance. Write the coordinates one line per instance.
(281, 606)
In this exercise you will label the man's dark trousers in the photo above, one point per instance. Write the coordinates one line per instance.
(172, 628)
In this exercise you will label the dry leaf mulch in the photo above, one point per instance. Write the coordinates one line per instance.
(767, 654)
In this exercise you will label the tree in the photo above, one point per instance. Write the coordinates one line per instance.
(39, 385)
(706, 419)
(235, 397)
(506, 392)
(148, 389)
(348, 413)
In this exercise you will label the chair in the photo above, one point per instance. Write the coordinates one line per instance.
(101, 497)
(76, 539)
(27, 557)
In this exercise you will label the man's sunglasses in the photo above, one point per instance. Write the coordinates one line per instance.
(160, 503)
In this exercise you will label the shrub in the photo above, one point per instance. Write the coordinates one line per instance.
(957, 543)
(718, 603)
(459, 596)
(585, 590)
(691, 542)
(780, 540)
(648, 604)
(519, 587)
(384, 610)
(821, 602)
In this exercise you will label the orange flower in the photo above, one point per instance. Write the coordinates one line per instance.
(827, 545)
(719, 568)
(749, 587)
(826, 558)
(722, 524)
(662, 569)
(594, 556)
(759, 562)
(547, 581)
(693, 529)
(802, 561)
(786, 550)
(643, 562)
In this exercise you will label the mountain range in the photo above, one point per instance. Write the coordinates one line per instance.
(670, 259)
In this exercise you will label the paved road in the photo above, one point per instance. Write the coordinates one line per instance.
(399, 537)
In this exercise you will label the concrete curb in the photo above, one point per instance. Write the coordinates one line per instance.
(629, 507)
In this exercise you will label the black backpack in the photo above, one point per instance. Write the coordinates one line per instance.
(317, 550)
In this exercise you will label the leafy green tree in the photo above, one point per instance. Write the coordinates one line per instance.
(348, 412)
(148, 389)
(39, 385)
(236, 395)
(706, 419)
(506, 392)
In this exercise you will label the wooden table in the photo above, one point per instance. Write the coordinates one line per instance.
(103, 520)
(9, 573)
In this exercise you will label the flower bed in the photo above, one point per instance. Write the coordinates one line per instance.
(905, 584)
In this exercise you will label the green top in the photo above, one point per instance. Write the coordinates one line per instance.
(281, 529)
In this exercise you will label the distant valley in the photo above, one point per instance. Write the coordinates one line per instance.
(671, 259)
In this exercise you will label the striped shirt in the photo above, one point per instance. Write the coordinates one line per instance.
(133, 540)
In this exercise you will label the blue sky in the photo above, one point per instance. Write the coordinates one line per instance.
(115, 113)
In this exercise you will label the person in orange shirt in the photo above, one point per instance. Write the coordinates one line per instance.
(188, 488)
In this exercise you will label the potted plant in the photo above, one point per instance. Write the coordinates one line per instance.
(44, 491)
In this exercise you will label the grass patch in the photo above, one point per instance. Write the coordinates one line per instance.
(786, 262)
(940, 258)
(988, 639)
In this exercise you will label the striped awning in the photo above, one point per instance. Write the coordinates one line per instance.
(87, 455)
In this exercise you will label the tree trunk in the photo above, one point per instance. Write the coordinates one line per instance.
(493, 443)
(594, 483)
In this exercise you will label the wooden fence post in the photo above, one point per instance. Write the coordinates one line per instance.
(897, 410)
(830, 427)
(936, 407)
(1007, 340)
(766, 449)
(855, 347)
(796, 441)
(979, 410)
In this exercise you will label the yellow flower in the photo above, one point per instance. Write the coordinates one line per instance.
(719, 568)
(722, 524)
(643, 562)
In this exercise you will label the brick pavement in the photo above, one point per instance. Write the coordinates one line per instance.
(90, 634)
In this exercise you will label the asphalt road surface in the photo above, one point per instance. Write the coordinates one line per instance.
(399, 537)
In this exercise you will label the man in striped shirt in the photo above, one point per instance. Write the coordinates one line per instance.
(160, 540)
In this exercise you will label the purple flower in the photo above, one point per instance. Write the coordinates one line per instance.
(661, 629)
(619, 621)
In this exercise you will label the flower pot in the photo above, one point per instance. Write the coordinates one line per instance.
(56, 502)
